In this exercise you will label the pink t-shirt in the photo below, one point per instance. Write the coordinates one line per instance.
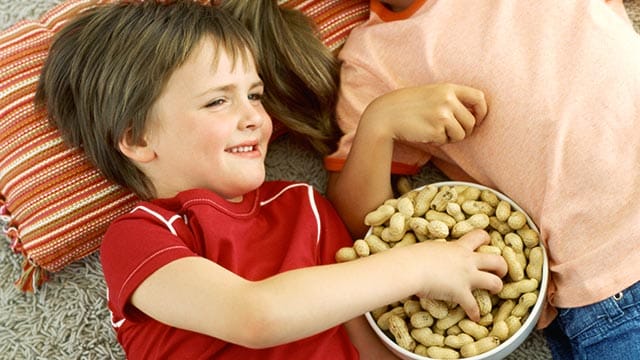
(280, 226)
(562, 136)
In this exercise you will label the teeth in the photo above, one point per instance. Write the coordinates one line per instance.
(242, 149)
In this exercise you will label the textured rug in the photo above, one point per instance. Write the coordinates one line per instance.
(68, 318)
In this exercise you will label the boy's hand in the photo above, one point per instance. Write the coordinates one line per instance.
(455, 269)
(438, 113)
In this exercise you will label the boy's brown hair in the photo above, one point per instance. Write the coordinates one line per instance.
(107, 67)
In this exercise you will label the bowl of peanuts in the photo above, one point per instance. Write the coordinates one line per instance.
(420, 328)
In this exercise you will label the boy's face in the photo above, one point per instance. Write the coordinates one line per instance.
(208, 128)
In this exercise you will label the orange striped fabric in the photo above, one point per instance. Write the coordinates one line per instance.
(54, 205)
(334, 18)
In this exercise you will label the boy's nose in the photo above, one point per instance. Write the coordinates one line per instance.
(253, 115)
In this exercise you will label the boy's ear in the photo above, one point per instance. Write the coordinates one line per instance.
(138, 151)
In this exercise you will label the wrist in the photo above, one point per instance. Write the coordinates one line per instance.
(375, 130)
(412, 266)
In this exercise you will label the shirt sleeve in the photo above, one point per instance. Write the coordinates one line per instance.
(358, 87)
(134, 247)
(361, 83)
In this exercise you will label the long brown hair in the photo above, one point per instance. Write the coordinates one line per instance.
(301, 75)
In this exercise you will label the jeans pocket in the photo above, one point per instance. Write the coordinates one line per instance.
(609, 325)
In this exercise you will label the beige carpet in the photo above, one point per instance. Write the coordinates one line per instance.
(68, 318)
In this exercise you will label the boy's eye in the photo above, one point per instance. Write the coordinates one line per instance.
(216, 102)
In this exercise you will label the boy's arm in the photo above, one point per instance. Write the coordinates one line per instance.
(197, 294)
(365, 180)
(438, 114)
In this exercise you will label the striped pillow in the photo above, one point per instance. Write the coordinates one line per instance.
(54, 205)
(334, 18)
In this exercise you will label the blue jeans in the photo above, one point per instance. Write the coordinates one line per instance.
(609, 329)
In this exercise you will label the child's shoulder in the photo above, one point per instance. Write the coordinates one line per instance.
(147, 210)
(157, 210)
(166, 209)
(276, 188)
(272, 188)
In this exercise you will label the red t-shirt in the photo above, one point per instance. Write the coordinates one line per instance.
(280, 226)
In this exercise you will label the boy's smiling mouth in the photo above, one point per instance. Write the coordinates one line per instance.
(242, 149)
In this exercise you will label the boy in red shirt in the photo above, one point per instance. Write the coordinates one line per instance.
(216, 262)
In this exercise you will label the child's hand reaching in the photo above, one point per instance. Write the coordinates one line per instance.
(455, 270)
(437, 113)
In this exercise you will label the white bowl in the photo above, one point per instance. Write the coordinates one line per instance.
(513, 342)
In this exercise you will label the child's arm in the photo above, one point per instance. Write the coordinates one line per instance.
(436, 114)
(197, 294)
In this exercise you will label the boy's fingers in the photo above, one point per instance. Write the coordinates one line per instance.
(488, 281)
(474, 239)
(465, 118)
(470, 306)
(473, 99)
(454, 130)
(493, 263)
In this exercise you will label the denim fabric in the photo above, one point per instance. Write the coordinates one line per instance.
(609, 329)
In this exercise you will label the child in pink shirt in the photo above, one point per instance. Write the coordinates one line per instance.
(216, 262)
(547, 111)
